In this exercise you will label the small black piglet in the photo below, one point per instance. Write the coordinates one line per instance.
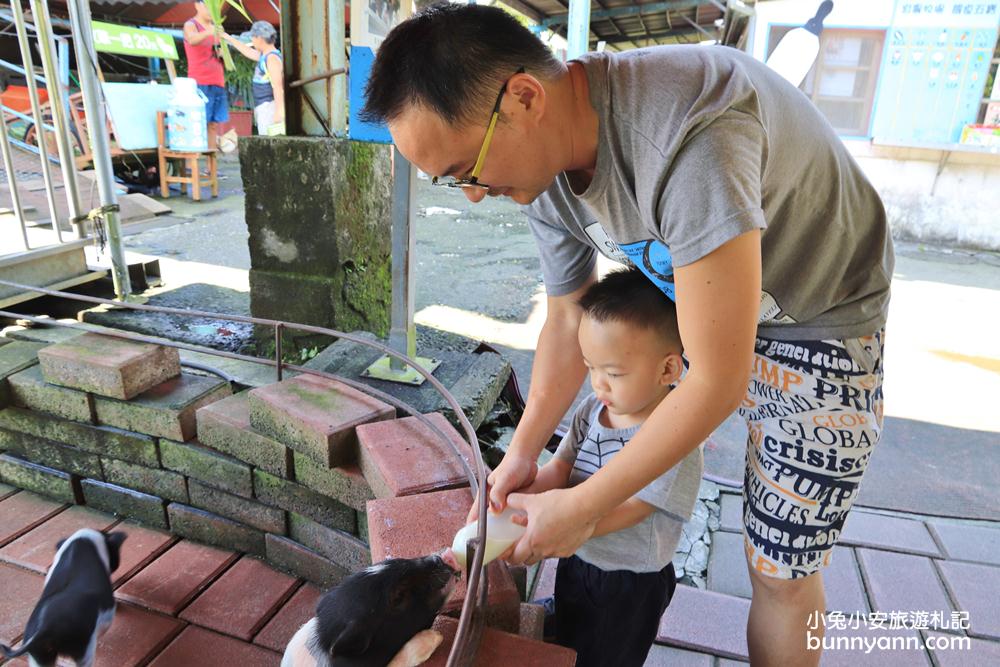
(77, 603)
(379, 616)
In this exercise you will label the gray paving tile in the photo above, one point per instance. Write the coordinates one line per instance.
(727, 565)
(668, 656)
(732, 512)
(975, 589)
(851, 647)
(973, 543)
(842, 582)
(962, 651)
(902, 582)
(706, 621)
(866, 529)
(726, 662)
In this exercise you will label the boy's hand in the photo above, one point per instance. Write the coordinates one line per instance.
(513, 473)
(556, 526)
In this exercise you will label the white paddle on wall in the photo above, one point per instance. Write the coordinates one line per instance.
(795, 54)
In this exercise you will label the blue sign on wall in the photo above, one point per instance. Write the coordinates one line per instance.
(934, 68)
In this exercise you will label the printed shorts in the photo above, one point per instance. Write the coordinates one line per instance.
(814, 415)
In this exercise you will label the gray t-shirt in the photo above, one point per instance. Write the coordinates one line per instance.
(650, 544)
(698, 145)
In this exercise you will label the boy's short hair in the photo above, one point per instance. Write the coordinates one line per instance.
(628, 296)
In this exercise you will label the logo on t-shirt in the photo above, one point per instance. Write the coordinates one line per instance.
(603, 242)
(653, 258)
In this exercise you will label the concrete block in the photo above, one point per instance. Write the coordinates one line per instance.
(299, 561)
(103, 440)
(17, 355)
(29, 389)
(706, 621)
(975, 589)
(345, 483)
(401, 457)
(162, 483)
(52, 454)
(167, 410)
(973, 543)
(209, 528)
(253, 514)
(475, 380)
(297, 498)
(479, 388)
(315, 416)
(532, 624)
(108, 366)
(344, 549)
(902, 582)
(225, 426)
(335, 226)
(208, 466)
(363, 528)
(142, 507)
(40, 479)
(868, 529)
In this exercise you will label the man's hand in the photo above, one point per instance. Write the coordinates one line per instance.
(556, 526)
(513, 473)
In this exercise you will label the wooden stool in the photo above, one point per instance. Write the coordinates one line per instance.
(187, 163)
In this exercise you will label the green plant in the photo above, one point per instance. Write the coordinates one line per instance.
(239, 80)
(215, 9)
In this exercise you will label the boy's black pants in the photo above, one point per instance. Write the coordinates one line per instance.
(609, 618)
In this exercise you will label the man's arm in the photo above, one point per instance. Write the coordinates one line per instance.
(193, 37)
(556, 376)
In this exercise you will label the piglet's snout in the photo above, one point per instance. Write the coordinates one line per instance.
(448, 556)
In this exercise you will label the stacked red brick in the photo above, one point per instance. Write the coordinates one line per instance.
(299, 472)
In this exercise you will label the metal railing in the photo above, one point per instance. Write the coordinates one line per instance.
(472, 619)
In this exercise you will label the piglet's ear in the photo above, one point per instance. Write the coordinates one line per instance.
(354, 639)
(115, 539)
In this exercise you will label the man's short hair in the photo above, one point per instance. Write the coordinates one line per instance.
(452, 58)
(265, 31)
(629, 297)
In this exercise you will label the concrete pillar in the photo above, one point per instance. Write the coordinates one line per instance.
(319, 215)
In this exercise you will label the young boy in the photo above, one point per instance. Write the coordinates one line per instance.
(610, 595)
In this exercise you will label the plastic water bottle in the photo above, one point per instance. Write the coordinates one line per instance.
(501, 532)
(187, 124)
(795, 54)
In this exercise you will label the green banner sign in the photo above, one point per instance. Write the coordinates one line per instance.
(131, 41)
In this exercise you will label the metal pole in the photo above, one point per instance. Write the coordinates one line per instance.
(337, 86)
(402, 332)
(8, 165)
(57, 100)
(578, 31)
(86, 61)
(36, 109)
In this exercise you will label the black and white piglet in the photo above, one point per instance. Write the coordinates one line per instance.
(77, 603)
(379, 616)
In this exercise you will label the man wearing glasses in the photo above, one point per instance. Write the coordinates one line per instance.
(734, 196)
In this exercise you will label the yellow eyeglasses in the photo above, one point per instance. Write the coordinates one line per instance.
(473, 180)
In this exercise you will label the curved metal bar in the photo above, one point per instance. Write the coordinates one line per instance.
(475, 598)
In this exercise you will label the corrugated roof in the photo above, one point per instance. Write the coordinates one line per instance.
(623, 24)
